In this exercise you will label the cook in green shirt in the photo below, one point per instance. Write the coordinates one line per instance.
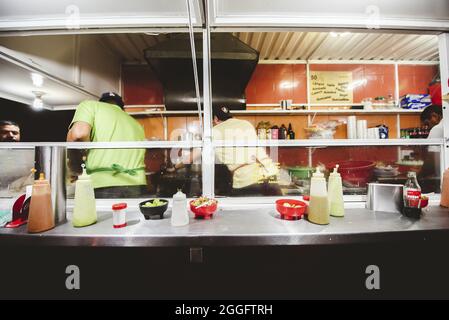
(103, 122)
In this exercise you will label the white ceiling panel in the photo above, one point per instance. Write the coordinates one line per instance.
(72, 14)
(342, 46)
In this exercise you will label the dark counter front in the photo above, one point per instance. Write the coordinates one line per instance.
(237, 254)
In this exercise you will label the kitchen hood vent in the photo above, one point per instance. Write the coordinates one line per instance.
(233, 63)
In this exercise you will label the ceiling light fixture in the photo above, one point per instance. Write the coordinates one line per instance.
(339, 34)
(38, 103)
(38, 80)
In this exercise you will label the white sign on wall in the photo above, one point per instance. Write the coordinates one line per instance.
(331, 86)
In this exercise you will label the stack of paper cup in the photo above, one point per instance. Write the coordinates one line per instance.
(362, 129)
(351, 129)
(373, 133)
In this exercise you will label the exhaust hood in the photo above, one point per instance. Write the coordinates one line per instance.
(232, 62)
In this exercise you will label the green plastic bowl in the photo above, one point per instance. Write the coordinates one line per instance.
(301, 172)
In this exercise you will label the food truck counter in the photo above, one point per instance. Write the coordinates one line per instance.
(240, 227)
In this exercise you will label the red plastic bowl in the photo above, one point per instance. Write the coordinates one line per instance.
(204, 212)
(354, 173)
(403, 169)
(289, 213)
(424, 202)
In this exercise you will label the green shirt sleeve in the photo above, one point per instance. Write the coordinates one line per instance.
(84, 112)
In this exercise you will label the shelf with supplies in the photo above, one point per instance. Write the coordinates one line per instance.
(149, 112)
(329, 142)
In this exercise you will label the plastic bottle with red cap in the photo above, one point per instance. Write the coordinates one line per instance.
(119, 215)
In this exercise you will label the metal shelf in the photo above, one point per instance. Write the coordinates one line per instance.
(329, 143)
(222, 143)
(339, 111)
(105, 145)
(280, 112)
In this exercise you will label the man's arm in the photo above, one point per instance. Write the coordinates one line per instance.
(80, 131)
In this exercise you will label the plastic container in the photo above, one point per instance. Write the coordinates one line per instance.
(203, 212)
(362, 129)
(289, 212)
(153, 213)
(41, 217)
(444, 202)
(119, 215)
(319, 202)
(302, 173)
(85, 209)
(355, 173)
(335, 189)
(351, 127)
(179, 215)
(319, 133)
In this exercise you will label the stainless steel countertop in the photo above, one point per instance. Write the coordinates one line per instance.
(256, 227)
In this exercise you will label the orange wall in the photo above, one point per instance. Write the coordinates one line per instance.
(273, 82)
(415, 78)
(269, 84)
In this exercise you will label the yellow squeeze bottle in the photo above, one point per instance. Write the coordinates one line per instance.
(85, 210)
(335, 192)
(319, 202)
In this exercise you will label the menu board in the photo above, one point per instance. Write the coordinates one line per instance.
(330, 87)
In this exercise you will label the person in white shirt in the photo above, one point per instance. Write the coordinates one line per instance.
(253, 172)
(431, 117)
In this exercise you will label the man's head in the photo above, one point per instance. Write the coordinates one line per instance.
(220, 114)
(431, 115)
(9, 131)
(112, 98)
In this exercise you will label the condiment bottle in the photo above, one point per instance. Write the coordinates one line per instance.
(41, 217)
(335, 190)
(119, 215)
(85, 210)
(444, 202)
(412, 197)
(290, 132)
(179, 214)
(274, 132)
(282, 132)
(319, 202)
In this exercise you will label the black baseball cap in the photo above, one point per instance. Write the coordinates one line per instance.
(112, 97)
(221, 112)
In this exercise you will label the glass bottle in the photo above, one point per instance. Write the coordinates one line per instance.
(282, 132)
(412, 197)
(290, 132)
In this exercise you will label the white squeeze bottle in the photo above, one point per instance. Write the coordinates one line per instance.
(319, 202)
(179, 214)
(85, 210)
(335, 189)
